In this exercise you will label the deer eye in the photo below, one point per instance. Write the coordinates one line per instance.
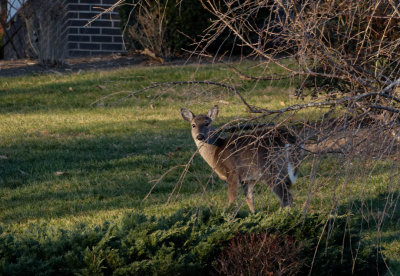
(193, 126)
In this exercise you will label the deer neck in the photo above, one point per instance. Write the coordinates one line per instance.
(208, 149)
(209, 152)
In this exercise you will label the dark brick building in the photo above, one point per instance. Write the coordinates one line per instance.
(74, 36)
(103, 36)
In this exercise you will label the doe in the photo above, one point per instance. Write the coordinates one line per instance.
(267, 156)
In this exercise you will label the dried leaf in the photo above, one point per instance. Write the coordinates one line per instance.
(3, 157)
(70, 89)
(59, 173)
(282, 103)
(151, 54)
(102, 87)
(151, 106)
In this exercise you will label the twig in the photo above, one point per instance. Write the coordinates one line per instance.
(107, 96)
(296, 107)
(393, 110)
(170, 83)
(336, 102)
(270, 77)
(107, 10)
(158, 180)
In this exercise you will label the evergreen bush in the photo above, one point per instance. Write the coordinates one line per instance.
(188, 242)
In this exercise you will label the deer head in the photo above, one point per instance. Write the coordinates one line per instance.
(201, 124)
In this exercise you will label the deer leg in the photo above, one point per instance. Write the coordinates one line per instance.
(248, 189)
(232, 182)
(281, 190)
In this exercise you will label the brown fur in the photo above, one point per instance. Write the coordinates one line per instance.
(258, 156)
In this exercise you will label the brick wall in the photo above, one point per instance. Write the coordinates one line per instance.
(103, 36)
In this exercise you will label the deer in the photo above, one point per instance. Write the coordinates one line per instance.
(268, 156)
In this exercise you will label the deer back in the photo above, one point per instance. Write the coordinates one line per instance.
(256, 154)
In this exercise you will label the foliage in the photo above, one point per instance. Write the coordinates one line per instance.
(185, 243)
(169, 28)
(165, 27)
(260, 254)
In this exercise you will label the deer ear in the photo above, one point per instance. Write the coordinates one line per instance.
(187, 114)
(213, 112)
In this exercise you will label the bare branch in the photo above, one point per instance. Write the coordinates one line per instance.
(171, 83)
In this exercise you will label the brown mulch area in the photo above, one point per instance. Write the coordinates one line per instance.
(21, 67)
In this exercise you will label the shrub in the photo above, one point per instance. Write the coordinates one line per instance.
(164, 27)
(260, 254)
(169, 28)
(188, 242)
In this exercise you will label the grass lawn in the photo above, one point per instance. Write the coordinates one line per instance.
(64, 161)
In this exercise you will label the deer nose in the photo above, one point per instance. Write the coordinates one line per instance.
(200, 137)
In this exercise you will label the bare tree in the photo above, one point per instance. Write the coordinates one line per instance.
(337, 47)
(45, 23)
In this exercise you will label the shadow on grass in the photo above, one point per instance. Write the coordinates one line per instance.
(25, 67)
(54, 96)
(377, 223)
(377, 213)
(49, 177)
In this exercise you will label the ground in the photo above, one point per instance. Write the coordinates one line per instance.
(13, 68)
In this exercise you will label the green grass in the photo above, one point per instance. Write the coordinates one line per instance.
(65, 162)
(108, 154)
